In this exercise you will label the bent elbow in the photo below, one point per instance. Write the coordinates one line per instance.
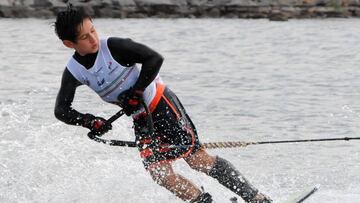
(159, 60)
(59, 113)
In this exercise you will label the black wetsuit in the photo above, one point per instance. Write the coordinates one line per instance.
(172, 125)
(126, 52)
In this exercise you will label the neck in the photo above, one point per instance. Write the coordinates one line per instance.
(87, 60)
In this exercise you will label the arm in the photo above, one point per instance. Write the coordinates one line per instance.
(128, 52)
(64, 99)
(65, 113)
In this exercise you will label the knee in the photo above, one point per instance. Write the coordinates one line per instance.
(201, 161)
(200, 167)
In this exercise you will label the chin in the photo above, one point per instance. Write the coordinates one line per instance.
(95, 49)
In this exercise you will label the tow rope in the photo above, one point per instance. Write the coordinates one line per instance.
(209, 145)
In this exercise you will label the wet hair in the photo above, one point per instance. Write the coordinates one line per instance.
(67, 23)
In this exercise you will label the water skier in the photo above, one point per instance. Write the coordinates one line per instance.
(108, 66)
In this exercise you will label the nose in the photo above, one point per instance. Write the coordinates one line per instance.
(92, 38)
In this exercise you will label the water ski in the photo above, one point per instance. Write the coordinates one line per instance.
(301, 196)
(297, 197)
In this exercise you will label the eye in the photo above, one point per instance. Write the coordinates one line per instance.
(84, 37)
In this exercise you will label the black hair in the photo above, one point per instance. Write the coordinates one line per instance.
(67, 22)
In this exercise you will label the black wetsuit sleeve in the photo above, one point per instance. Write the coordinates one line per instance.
(127, 52)
(63, 110)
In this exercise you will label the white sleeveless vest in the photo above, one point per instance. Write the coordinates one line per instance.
(107, 77)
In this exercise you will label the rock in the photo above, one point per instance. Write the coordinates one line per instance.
(17, 12)
(6, 12)
(27, 3)
(86, 3)
(58, 4)
(160, 2)
(104, 12)
(42, 3)
(124, 3)
(243, 3)
(214, 13)
(330, 12)
(41, 13)
(9, 3)
(354, 3)
(162, 8)
(274, 9)
(278, 15)
(309, 2)
(356, 12)
(5, 3)
(137, 15)
(196, 2)
(121, 8)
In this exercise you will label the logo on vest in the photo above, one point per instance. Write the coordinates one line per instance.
(97, 71)
(101, 82)
(111, 68)
(86, 81)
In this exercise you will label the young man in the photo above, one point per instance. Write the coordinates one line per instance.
(108, 66)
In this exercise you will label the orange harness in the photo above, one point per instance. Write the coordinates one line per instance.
(160, 88)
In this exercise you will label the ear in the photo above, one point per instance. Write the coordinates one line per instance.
(68, 44)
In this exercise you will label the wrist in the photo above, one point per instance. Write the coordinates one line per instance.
(97, 123)
(87, 120)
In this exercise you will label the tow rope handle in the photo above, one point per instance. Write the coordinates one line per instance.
(121, 142)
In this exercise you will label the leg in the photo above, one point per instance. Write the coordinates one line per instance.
(171, 127)
(164, 175)
(226, 174)
(201, 161)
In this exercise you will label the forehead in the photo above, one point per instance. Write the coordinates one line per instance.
(85, 26)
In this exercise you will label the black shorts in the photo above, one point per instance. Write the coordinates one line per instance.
(174, 134)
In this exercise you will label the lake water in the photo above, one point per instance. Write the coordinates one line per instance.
(240, 80)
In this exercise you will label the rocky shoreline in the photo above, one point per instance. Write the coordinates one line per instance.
(272, 9)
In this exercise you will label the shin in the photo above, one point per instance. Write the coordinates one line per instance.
(231, 178)
(184, 189)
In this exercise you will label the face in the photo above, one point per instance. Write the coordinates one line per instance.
(87, 41)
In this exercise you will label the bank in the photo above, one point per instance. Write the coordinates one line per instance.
(272, 9)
